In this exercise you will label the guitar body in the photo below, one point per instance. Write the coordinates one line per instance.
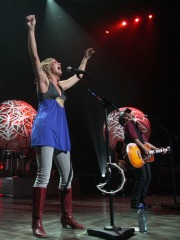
(135, 155)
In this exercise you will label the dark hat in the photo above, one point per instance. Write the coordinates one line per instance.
(121, 116)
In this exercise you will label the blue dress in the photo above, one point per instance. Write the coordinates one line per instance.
(50, 126)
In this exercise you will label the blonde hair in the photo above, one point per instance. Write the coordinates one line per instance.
(45, 65)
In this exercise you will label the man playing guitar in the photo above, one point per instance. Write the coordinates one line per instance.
(133, 133)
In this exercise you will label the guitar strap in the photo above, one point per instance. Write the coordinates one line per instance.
(138, 131)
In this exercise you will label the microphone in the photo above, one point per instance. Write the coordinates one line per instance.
(77, 71)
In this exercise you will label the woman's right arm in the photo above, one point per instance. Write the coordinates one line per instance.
(32, 47)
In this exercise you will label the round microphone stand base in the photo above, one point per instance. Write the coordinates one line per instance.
(111, 228)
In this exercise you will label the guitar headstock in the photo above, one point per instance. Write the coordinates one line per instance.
(167, 149)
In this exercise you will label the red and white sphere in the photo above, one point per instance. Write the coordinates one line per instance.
(116, 132)
(16, 119)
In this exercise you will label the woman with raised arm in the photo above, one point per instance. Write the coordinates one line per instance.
(50, 134)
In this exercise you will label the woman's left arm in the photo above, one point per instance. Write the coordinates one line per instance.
(66, 84)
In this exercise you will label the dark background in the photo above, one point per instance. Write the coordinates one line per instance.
(137, 66)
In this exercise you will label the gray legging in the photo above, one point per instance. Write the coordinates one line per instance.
(45, 155)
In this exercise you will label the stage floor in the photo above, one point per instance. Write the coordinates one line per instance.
(94, 212)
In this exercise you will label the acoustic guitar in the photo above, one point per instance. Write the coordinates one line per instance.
(135, 155)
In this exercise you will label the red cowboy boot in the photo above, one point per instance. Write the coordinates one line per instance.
(66, 210)
(39, 195)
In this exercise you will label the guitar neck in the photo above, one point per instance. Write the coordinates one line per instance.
(158, 150)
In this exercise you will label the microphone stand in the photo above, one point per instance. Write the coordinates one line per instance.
(170, 135)
(110, 232)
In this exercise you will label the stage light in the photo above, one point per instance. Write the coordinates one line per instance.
(107, 32)
(136, 20)
(150, 16)
(124, 23)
